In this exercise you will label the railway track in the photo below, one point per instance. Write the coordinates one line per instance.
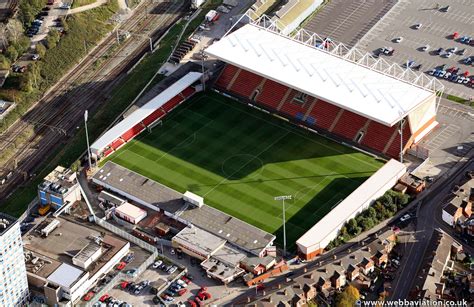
(58, 113)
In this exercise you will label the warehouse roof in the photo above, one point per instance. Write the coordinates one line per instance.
(316, 72)
(141, 113)
(142, 189)
(341, 212)
(148, 192)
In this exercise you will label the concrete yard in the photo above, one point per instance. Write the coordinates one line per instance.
(436, 31)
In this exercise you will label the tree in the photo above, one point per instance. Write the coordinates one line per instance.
(366, 223)
(14, 30)
(11, 53)
(4, 63)
(348, 297)
(26, 81)
(75, 166)
(371, 213)
(52, 39)
(40, 49)
(352, 227)
(386, 199)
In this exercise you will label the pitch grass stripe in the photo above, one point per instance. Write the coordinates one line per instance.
(299, 162)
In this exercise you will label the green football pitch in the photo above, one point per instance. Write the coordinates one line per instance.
(239, 159)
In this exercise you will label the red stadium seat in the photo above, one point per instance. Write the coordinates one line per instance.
(324, 114)
(377, 136)
(246, 83)
(394, 149)
(187, 92)
(272, 94)
(226, 76)
(153, 117)
(349, 124)
(172, 103)
(294, 108)
(108, 152)
(117, 143)
(133, 132)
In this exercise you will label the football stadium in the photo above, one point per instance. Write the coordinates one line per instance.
(295, 116)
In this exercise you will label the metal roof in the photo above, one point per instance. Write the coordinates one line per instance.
(320, 73)
(141, 113)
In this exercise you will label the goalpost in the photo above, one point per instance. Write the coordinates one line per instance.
(153, 125)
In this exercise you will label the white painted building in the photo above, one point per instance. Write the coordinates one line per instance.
(13, 281)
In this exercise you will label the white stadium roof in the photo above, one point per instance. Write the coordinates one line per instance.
(141, 113)
(392, 170)
(319, 73)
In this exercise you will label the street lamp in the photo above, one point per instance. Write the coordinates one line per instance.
(283, 198)
(86, 115)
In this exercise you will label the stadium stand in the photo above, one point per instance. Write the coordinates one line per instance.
(313, 242)
(349, 124)
(245, 83)
(140, 119)
(345, 98)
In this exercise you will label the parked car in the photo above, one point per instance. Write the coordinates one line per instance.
(182, 292)
(425, 47)
(417, 26)
(387, 50)
(439, 51)
(35, 57)
(398, 39)
(129, 258)
(172, 270)
(405, 218)
(132, 272)
(157, 264)
(121, 265)
(124, 285)
(88, 296)
(104, 297)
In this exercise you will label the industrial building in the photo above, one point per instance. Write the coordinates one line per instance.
(157, 197)
(14, 285)
(59, 188)
(68, 259)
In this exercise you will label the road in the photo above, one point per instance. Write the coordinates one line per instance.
(56, 116)
(428, 219)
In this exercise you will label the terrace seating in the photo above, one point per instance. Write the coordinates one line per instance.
(187, 92)
(349, 124)
(153, 117)
(108, 152)
(226, 76)
(324, 114)
(377, 136)
(117, 143)
(132, 132)
(245, 83)
(394, 149)
(293, 107)
(172, 103)
(272, 93)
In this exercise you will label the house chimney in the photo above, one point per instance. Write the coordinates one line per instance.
(270, 299)
(263, 293)
(335, 257)
(285, 292)
(248, 299)
(305, 269)
(279, 286)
